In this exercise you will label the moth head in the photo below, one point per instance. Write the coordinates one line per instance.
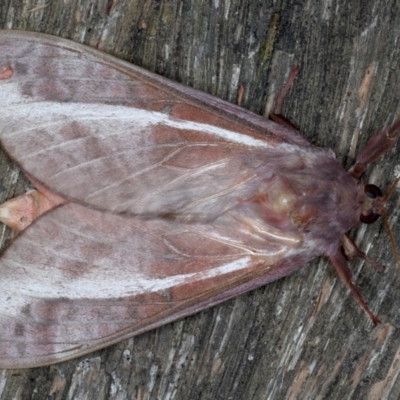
(374, 205)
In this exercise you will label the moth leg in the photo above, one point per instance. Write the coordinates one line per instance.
(340, 263)
(351, 251)
(276, 116)
(377, 145)
(19, 212)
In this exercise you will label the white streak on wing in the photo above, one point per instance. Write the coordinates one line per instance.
(16, 293)
(223, 133)
(15, 106)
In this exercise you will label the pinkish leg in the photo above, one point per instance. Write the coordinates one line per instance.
(340, 263)
(377, 146)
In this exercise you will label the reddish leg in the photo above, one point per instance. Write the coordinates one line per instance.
(352, 251)
(377, 146)
(340, 263)
(276, 116)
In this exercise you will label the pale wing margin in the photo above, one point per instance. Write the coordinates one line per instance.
(79, 279)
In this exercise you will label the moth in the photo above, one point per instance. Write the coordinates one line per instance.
(153, 200)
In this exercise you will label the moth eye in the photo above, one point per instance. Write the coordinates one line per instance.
(372, 191)
(369, 216)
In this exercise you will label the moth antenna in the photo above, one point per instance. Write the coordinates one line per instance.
(391, 238)
(390, 191)
(386, 222)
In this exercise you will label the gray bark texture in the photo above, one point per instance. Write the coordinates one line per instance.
(302, 337)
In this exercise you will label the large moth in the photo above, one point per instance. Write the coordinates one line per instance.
(162, 200)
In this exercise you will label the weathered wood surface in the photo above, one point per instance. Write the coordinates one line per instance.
(303, 337)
